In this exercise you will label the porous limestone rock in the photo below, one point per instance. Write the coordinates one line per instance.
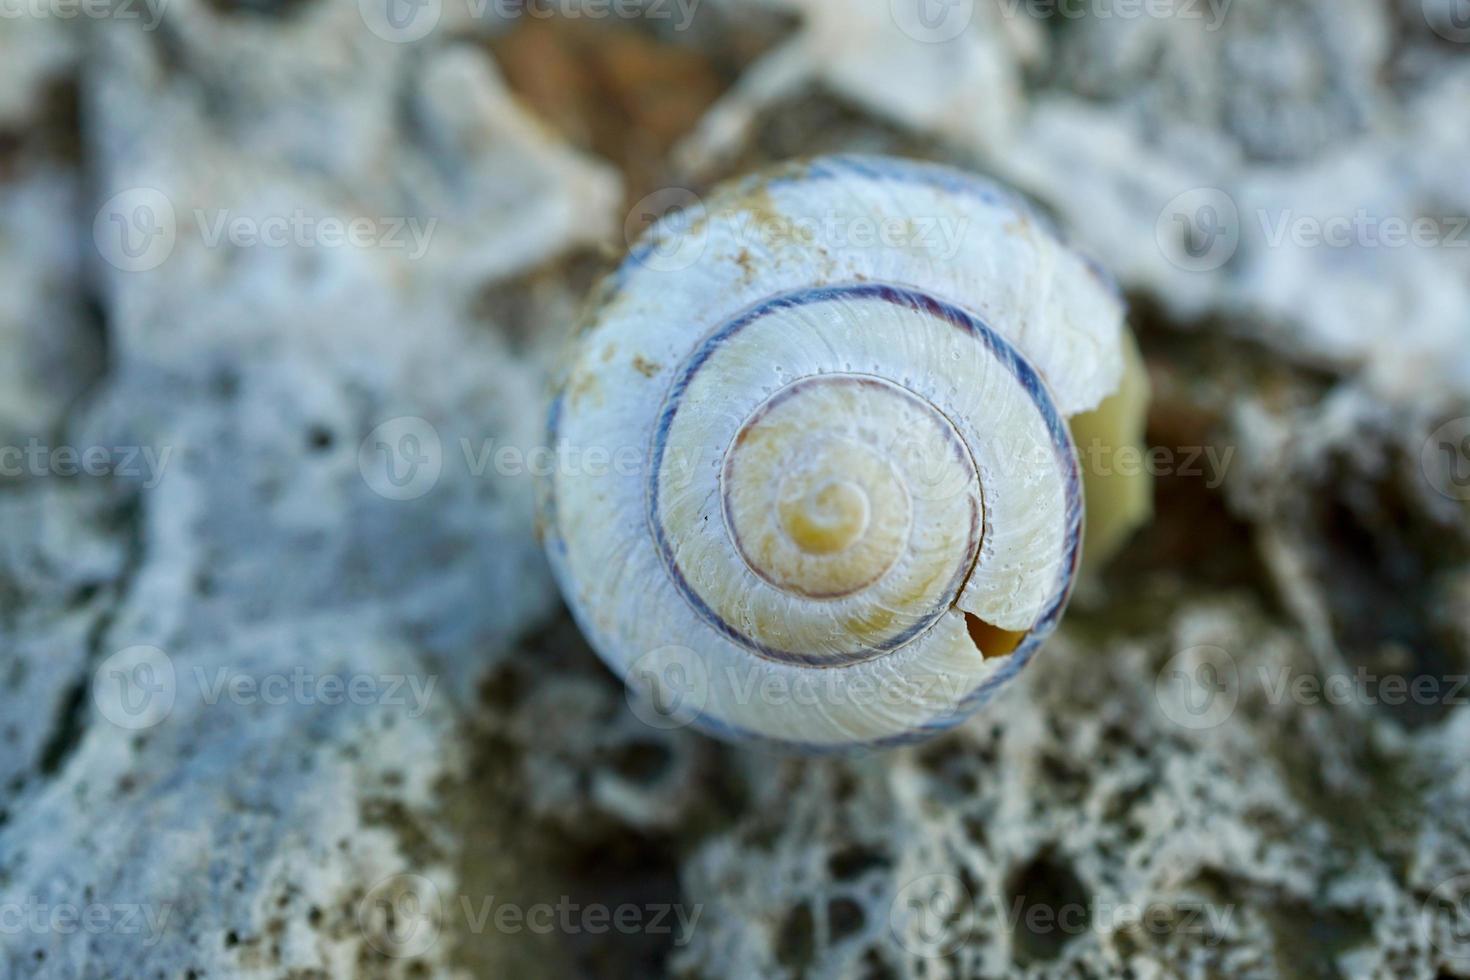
(1190, 809)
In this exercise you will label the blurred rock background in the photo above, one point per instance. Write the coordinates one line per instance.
(289, 692)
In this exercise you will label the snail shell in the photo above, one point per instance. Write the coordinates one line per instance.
(855, 509)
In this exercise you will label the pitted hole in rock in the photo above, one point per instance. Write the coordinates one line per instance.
(282, 9)
(875, 967)
(991, 640)
(1383, 559)
(319, 438)
(855, 861)
(796, 940)
(845, 917)
(642, 763)
(1049, 907)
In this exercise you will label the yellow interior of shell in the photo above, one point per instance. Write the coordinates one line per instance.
(1111, 449)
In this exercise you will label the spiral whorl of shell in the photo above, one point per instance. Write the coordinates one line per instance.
(854, 508)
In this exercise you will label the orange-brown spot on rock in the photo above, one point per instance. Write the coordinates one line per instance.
(616, 90)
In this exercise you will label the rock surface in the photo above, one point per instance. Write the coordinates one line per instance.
(288, 689)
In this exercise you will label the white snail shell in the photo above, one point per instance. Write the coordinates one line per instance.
(856, 510)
